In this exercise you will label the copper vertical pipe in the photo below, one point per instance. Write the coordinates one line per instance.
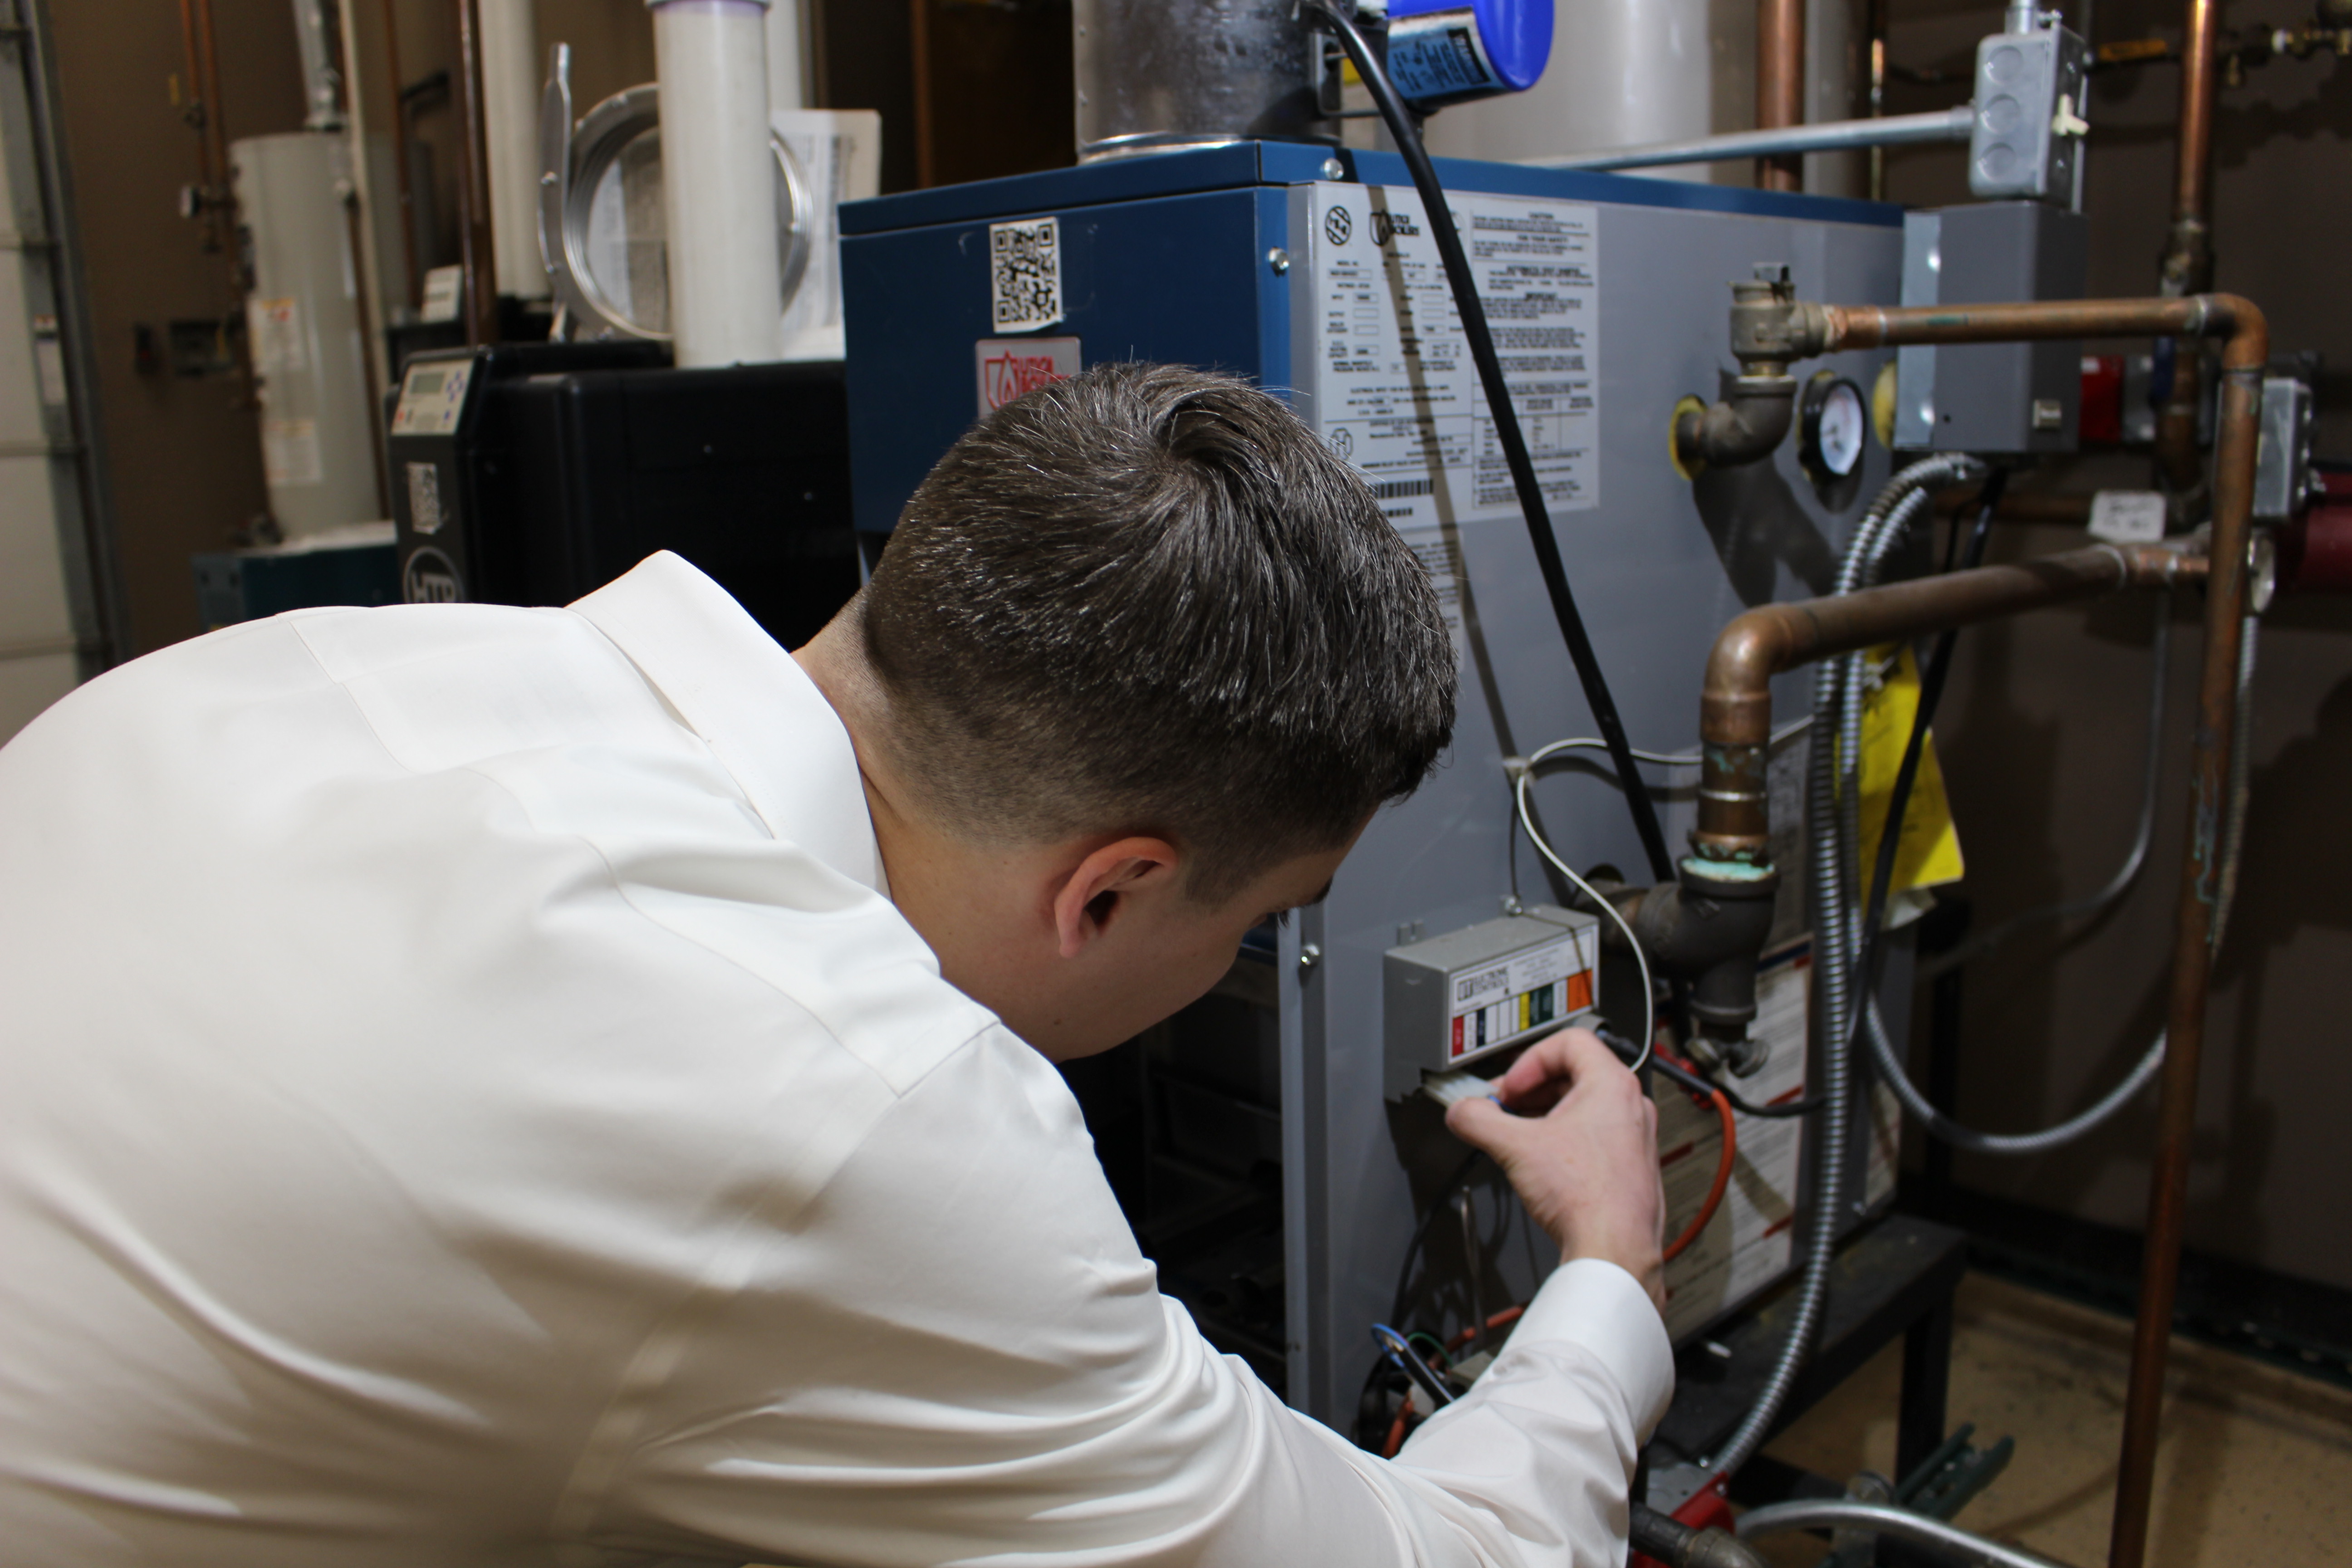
(1779, 86)
(2245, 351)
(216, 108)
(400, 157)
(2188, 265)
(1877, 31)
(196, 113)
(474, 183)
(927, 160)
(2192, 957)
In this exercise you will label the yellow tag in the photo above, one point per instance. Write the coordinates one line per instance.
(1928, 854)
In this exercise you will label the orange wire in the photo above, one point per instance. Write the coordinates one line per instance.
(1396, 1432)
(1722, 1180)
(1503, 1319)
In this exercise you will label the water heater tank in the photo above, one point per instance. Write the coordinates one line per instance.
(303, 323)
(1628, 72)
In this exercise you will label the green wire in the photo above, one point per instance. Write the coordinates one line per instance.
(1434, 1343)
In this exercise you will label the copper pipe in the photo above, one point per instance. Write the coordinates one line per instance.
(400, 158)
(196, 112)
(1779, 86)
(474, 183)
(215, 107)
(1876, 23)
(2192, 170)
(2193, 958)
(927, 161)
(2245, 349)
(1735, 701)
(2188, 265)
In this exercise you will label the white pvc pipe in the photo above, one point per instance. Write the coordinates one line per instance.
(719, 182)
(511, 90)
(787, 88)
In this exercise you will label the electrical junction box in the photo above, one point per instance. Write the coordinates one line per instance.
(2031, 88)
(1450, 1001)
(1994, 398)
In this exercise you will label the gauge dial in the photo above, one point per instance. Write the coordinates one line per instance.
(1837, 427)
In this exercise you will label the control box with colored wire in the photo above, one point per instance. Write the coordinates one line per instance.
(1449, 1001)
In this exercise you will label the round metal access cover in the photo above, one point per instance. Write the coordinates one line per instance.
(611, 271)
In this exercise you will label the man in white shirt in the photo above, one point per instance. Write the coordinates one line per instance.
(498, 1085)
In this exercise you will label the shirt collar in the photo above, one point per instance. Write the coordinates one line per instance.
(750, 701)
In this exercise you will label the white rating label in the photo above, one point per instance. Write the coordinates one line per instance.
(1396, 393)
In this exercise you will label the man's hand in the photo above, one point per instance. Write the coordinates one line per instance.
(1581, 1149)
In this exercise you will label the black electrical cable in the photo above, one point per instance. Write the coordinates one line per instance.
(1704, 1087)
(1438, 1205)
(1508, 435)
(1890, 832)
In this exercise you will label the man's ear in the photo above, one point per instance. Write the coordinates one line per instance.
(1093, 895)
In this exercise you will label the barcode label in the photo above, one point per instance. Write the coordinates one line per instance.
(1398, 489)
(1024, 274)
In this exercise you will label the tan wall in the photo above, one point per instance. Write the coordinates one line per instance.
(183, 456)
(2042, 731)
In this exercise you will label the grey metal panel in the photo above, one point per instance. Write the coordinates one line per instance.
(1991, 397)
(1659, 565)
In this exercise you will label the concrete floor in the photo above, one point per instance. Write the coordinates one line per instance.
(2255, 1466)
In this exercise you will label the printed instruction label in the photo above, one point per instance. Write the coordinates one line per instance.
(1440, 553)
(1395, 391)
(1497, 1000)
(1752, 1236)
(289, 451)
(1024, 274)
(2128, 517)
(274, 330)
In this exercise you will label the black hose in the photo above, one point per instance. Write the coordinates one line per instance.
(1508, 435)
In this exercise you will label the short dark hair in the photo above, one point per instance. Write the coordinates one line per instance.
(1147, 597)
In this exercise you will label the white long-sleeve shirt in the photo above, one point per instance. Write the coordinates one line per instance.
(466, 1098)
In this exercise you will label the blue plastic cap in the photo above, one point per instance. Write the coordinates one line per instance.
(1516, 33)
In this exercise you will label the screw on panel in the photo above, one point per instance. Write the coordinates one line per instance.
(1334, 170)
(1279, 260)
(1309, 955)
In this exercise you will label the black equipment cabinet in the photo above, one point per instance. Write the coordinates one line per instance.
(543, 472)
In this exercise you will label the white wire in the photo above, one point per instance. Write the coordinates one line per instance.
(1526, 820)
(1668, 759)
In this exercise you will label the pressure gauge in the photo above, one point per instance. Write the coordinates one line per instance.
(1836, 426)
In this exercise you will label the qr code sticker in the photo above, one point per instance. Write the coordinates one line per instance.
(1024, 273)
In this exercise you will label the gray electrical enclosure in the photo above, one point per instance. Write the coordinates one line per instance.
(1991, 398)
(2028, 135)
(1472, 995)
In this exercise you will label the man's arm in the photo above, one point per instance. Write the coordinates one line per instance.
(957, 1354)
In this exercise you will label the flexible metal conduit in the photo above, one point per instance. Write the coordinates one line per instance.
(1767, 641)
(1834, 807)
(1884, 1519)
(1903, 494)
(1738, 700)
